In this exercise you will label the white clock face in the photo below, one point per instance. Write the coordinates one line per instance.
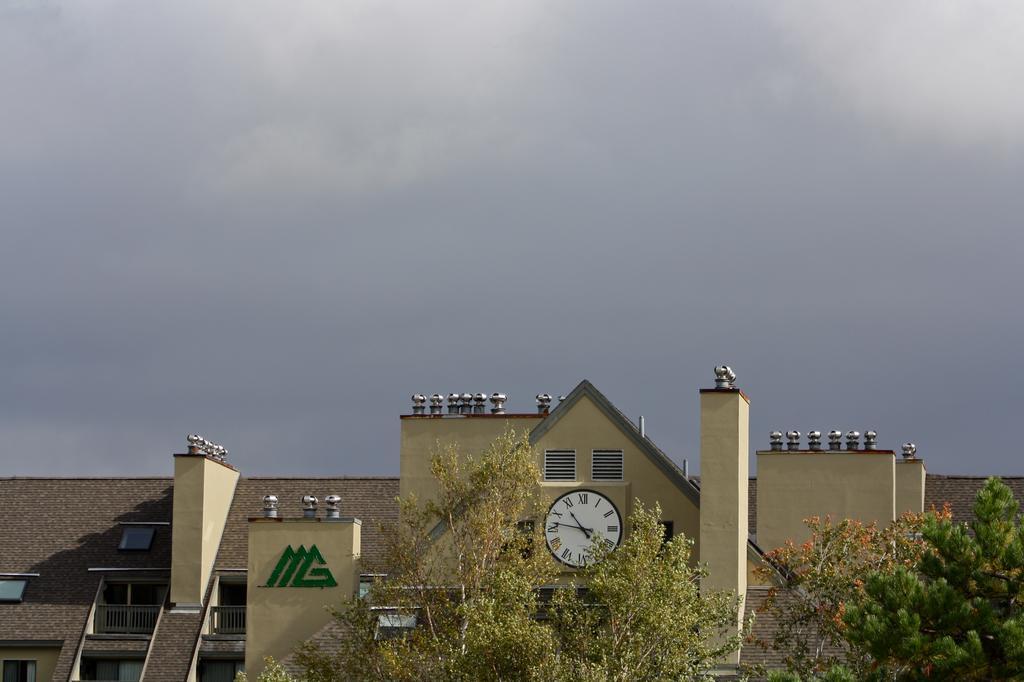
(574, 519)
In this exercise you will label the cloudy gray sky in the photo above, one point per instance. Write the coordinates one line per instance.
(270, 222)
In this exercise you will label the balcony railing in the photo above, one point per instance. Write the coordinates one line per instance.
(125, 619)
(227, 620)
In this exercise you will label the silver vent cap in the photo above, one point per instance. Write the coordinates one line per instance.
(270, 506)
(724, 377)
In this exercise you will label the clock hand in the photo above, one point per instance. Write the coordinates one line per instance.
(580, 525)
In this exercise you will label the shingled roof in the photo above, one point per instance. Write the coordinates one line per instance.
(60, 528)
(373, 500)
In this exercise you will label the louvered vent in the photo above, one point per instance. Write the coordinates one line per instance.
(559, 465)
(606, 465)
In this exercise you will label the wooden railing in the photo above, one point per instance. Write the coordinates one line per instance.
(125, 619)
(227, 620)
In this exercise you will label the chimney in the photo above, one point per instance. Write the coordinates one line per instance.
(453, 403)
(725, 473)
(479, 400)
(852, 438)
(436, 402)
(498, 403)
(543, 403)
(419, 403)
(466, 403)
(814, 441)
(643, 427)
(835, 440)
(792, 440)
(204, 484)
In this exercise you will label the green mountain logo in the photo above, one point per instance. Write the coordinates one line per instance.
(295, 569)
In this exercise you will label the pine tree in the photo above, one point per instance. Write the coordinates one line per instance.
(959, 615)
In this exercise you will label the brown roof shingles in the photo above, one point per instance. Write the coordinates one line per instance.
(371, 500)
(59, 528)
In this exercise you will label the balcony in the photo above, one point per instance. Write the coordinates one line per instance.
(227, 620)
(121, 619)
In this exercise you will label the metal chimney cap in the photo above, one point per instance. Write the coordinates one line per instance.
(909, 451)
(871, 440)
(466, 397)
(309, 501)
(793, 438)
(453, 398)
(270, 501)
(775, 439)
(332, 501)
(419, 399)
(207, 447)
(436, 399)
(851, 439)
(498, 398)
(724, 377)
(814, 440)
(835, 440)
(480, 398)
(543, 399)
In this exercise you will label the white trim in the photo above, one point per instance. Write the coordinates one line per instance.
(5, 576)
(145, 523)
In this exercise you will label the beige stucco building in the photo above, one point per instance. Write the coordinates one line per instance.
(199, 575)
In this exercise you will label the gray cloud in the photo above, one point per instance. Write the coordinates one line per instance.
(270, 223)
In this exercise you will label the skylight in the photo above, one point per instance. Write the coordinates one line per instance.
(136, 538)
(12, 589)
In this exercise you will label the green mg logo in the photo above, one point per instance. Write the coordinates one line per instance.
(295, 569)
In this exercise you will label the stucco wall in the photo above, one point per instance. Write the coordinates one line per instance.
(45, 658)
(279, 617)
(203, 490)
(910, 478)
(793, 486)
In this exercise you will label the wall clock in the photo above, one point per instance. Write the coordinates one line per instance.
(574, 519)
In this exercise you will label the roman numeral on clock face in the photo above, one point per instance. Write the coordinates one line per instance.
(583, 498)
(613, 529)
(608, 513)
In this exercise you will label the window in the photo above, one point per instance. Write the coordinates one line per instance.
(128, 608)
(220, 671)
(394, 625)
(112, 670)
(367, 580)
(228, 617)
(559, 465)
(136, 538)
(12, 589)
(606, 465)
(19, 671)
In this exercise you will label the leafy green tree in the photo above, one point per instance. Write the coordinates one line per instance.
(835, 674)
(475, 584)
(823, 577)
(273, 672)
(957, 614)
(642, 615)
(462, 569)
